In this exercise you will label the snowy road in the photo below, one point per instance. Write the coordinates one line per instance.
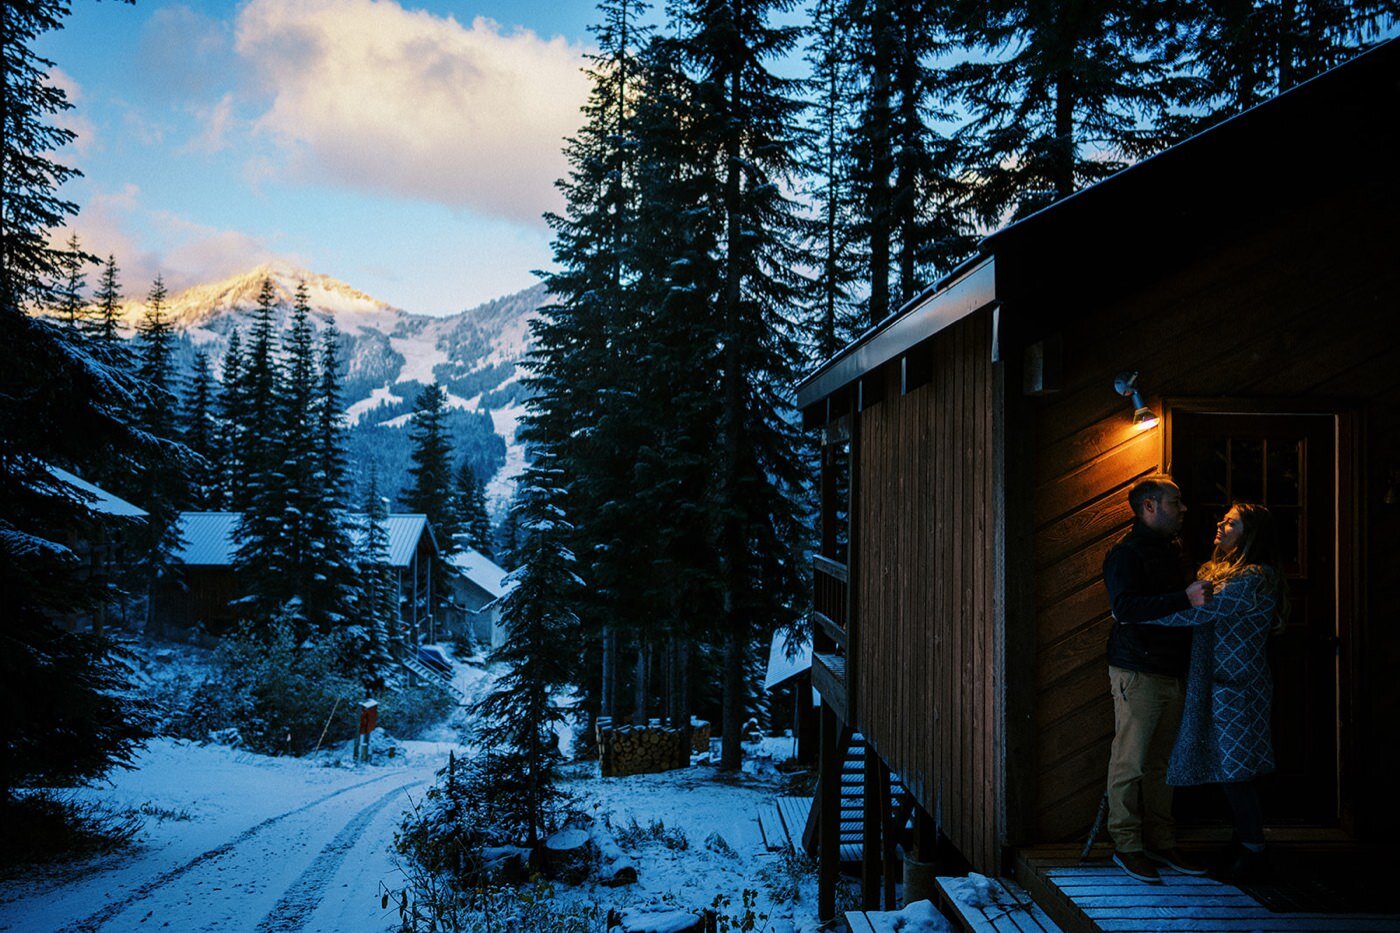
(270, 844)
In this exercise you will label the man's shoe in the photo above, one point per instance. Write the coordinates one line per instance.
(1176, 860)
(1137, 865)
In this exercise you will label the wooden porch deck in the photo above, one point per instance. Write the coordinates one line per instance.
(1096, 896)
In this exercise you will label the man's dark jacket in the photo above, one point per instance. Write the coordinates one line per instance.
(1147, 575)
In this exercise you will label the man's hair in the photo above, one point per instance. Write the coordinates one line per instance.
(1149, 487)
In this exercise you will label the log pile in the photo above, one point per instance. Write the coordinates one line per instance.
(625, 749)
(700, 736)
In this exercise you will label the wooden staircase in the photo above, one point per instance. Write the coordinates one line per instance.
(853, 804)
(433, 677)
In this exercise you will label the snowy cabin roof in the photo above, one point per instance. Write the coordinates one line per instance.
(206, 538)
(482, 571)
(97, 499)
(782, 668)
(209, 537)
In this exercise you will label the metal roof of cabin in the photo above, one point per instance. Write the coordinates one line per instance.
(95, 497)
(482, 571)
(209, 537)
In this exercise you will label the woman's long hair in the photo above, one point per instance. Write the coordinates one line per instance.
(1258, 552)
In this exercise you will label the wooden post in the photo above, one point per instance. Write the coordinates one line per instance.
(870, 833)
(829, 815)
(890, 827)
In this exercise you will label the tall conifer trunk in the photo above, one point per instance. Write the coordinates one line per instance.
(881, 164)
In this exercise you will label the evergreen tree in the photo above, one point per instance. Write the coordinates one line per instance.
(430, 488)
(333, 587)
(1063, 95)
(471, 510)
(748, 115)
(378, 615)
(303, 549)
(523, 710)
(159, 485)
(68, 716)
(71, 303)
(833, 232)
(578, 408)
(232, 421)
(200, 435)
(1238, 54)
(108, 300)
(260, 558)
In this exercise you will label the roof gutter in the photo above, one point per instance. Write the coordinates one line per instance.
(971, 292)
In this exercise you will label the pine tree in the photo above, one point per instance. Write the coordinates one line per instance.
(108, 299)
(71, 303)
(1058, 95)
(260, 559)
(430, 487)
(332, 591)
(578, 409)
(377, 614)
(1238, 54)
(430, 490)
(159, 484)
(200, 435)
(833, 231)
(303, 550)
(748, 114)
(471, 510)
(524, 709)
(232, 421)
(68, 714)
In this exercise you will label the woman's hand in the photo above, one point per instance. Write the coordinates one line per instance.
(1200, 593)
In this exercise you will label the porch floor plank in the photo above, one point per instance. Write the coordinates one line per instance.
(1098, 898)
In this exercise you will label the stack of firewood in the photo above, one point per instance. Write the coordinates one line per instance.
(624, 749)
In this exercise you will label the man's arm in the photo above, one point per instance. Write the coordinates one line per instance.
(1123, 574)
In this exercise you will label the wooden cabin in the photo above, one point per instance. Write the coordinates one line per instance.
(476, 586)
(100, 546)
(1251, 277)
(206, 587)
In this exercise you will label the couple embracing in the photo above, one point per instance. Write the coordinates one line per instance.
(1190, 679)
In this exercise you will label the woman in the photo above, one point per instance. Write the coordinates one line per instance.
(1224, 736)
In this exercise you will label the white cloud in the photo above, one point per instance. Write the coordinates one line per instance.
(73, 119)
(117, 223)
(370, 95)
(216, 121)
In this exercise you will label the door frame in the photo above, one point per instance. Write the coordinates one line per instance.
(1349, 542)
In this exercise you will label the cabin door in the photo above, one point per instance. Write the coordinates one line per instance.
(1288, 463)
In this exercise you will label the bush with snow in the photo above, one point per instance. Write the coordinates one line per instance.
(272, 693)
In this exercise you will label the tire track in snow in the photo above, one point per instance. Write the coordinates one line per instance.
(304, 896)
(94, 921)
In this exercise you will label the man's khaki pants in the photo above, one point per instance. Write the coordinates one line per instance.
(1146, 716)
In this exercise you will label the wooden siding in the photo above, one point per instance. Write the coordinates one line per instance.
(1307, 308)
(924, 650)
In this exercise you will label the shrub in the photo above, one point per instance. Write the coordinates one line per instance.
(407, 711)
(277, 693)
(634, 834)
(44, 827)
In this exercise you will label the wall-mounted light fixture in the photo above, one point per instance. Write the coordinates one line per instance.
(1125, 384)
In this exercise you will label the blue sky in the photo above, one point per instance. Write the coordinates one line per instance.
(407, 150)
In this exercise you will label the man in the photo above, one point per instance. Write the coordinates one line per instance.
(1147, 577)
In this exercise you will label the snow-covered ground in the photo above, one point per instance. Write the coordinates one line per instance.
(237, 841)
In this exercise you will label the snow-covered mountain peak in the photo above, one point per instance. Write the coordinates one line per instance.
(199, 304)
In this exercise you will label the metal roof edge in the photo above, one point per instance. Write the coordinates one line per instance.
(972, 291)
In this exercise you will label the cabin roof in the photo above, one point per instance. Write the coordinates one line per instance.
(96, 498)
(783, 667)
(483, 572)
(1233, 174)
(208, 538)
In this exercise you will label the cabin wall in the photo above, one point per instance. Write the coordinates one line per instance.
(926, 573)
(1305, 308)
